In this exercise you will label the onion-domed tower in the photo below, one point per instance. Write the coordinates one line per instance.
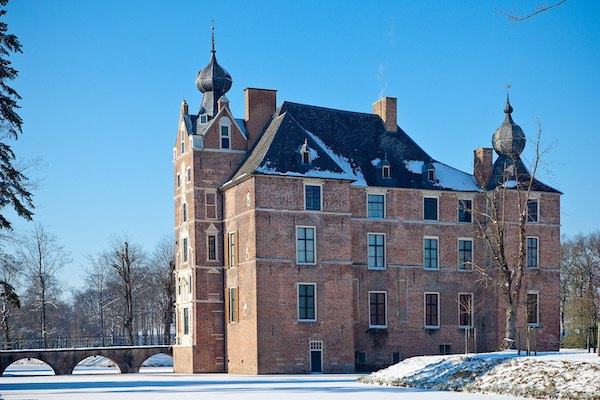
(213, 81)
(509, 139)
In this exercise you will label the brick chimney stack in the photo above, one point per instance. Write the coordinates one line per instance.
(482, 165)
(260, 105)
(386, 109)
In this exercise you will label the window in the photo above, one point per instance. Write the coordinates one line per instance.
(386, 172)
(465, 310)
(376, 250)
(232, 305)
(465, 254)
(182, 146)
(178, 180)
(532, 252)
(432, 310)
(377, 310)
(232, 248)
(375, 206)
(430, 208)
(210, 201)
(305, 245)
(184, 212)
(532, 210)
(395, 357)
(430, 253)
(305, 157)
(186, 321)
(465, 208)
(445, 349)
(203, 119)
(212, 247)
(533, 309)
(361, 357)
(185, 249)
(224, 137)
(190, 283)
(307, 309)
(189, 174)
(312, 197)
(431, 175)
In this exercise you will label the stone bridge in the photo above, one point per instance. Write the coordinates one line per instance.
(62, 361)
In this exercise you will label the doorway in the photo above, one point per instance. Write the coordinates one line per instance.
(316, 357)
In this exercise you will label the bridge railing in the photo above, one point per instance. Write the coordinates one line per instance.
(85, 341)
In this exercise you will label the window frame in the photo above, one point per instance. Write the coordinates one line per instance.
(187, 326)
(384, 251)
(224, 128)
(535, 324)
(471, 312)
(537, 252)
(437, 267)
(178, 181)
(208, 236)
(438, 316)
(431, 174)
(314, 285)
(385, 305)
(537, 209)
(232, 254)
(320, 186)
(469, 213)
(460, 264)
(305, 157)
(184, 212)
(206, 205)
(188, 172)
(185, 249)
(314, 228)
(384, 204)
(386, 172)
(233, 305)
(437, 208)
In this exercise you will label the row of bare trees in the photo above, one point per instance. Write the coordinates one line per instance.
(127, 297)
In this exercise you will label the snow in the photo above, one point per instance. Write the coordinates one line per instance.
(376, 162)
(158, 383)
(414, 166)
(567, 374)
(446, 176)
(510, 184)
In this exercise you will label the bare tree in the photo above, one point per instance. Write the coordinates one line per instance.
(42, 257)
(162, 265)
(97, 279)
(514, 16)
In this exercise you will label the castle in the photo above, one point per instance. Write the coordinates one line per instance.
(311, 239)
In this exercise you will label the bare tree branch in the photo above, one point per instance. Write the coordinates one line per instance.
(514, 17)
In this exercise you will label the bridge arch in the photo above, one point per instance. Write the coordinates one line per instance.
(156, 356)
(78, 361)
(7, 363)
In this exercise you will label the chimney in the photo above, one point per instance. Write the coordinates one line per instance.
(260, 105)
(184, 107)
(482, 166)
(223, 102)
(386, 109)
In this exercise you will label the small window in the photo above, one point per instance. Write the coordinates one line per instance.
(212, 247)
(376, 250)
(396, 357)
(430, 208)
(465, 254)
(232, 250)
(431, 175)
(445, 349)
(211, 205)
(532, 252)
(305, 245)
(465, 208)
(432, 310)
(182, 147)
(386, 171)
(307, 294)
(184, 212)
(305, 157)
(185, 249)
(430, 253)
(233, 305)
(203, 119)
(190, 283)
(377, 310)
(532, 210)
(186, 321)
(178, 180)
(375, 206)
(533, 309)
(465, 310)
(312, 197)
(361, 357)
(225, 137)
(189, 174)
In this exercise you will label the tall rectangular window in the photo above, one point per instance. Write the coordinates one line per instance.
(224, 137)
(178, 180)
(377, 310)
(533, 309)
(182, 147)
(430, 253)
(189, 174)
(312, 197)
(307, 293)
(210, 201)
(305, 245)
(430, 208)
(232, 250)
(465, 310)
(184, 212)
(375, 206)
(465, 254)
(465, 208)
(376, 250)
(432, 310)
(532, 210)
(186, 321)
(233, 304)
(532, 252)
(185, 249)
(212, 247)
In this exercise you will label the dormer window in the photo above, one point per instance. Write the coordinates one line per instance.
(225, 131)
(305, 157)
(305, 153)
(203, 119)
(431, 175)
(386, 171)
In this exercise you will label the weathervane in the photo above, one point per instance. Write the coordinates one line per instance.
(212, 31)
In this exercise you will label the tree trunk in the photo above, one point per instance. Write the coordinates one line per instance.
(6, 327)
(511, 324)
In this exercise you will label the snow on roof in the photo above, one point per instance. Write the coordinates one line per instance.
(446, 176)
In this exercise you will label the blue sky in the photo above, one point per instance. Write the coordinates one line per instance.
(102, 83)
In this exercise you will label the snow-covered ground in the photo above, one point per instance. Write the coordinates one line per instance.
(569, 374)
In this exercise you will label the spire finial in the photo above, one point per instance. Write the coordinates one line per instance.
(508, 108)
(212, 31)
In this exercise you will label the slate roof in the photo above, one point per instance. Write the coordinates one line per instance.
(514, 168)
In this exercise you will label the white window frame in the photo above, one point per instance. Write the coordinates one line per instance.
(384, 251)
(384, 204)
(472, 321)
(314, 285)
(431, 174)
(537, 217)
(437, 253)
(215, 235)
(537, 252)
(233, 318)
(214, 193)
(315, 345)
(537, 310)
(386, 309)
(189, 321)
(225, 122)
(389, 172)
(439, 317)
(437, 203)
(458, 240)
(320, 185)
(185, 248)
(315, 244)
(458, 210)
(232, 248)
